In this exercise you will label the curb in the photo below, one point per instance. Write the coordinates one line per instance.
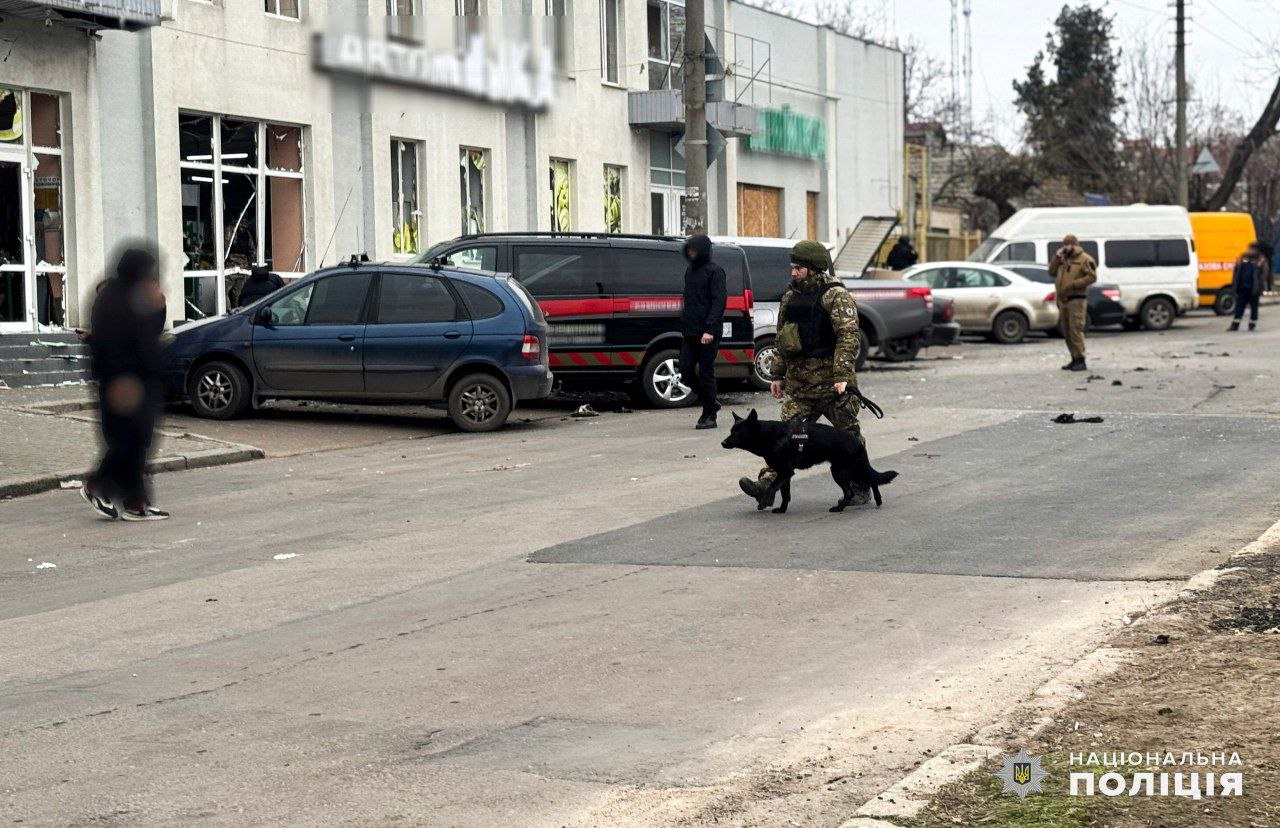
(233, 453)
(911, 794)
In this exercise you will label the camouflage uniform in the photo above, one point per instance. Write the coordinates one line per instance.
(808, 383)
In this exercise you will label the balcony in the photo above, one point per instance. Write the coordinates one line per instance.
(130, 15)
(663, 110)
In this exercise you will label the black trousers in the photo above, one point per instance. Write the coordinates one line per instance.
(1241, 300)
(698, 369)
(121, 475)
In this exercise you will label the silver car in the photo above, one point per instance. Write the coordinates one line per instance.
(989, 299)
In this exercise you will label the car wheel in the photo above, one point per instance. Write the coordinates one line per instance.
(1157, 314)
(1224, 304)
(219, 391)
(864, 352)
(903, 349)
(762, 367)
(479, 402)
(1010, 327)
(660, 381)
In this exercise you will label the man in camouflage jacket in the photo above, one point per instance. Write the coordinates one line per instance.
(817, 348)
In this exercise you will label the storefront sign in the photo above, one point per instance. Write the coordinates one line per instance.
(783, 132)
(508, 75)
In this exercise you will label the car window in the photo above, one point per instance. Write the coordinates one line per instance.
(734, 263)
(408, 297)
(562, 271)
(1038, 273)
(1090, 247)
(476, 258)
(647, 272)
(770, 271)
(338, 300)
(968, 277)
(1172, 253)
(1017, 252)
(291, 309)
(1131, 253)
(936, 277)
(483, 304)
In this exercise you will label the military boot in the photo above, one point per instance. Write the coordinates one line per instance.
(1078, 365)
(1235, 326)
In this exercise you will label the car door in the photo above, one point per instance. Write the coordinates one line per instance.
(416, 331)
(977, 296)
(311, 340)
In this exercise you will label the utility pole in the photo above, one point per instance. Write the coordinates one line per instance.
(693, 208)
(1180, 67)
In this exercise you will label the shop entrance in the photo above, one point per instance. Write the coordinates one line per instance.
(16, 283)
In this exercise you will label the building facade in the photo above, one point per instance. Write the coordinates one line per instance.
(296, 133)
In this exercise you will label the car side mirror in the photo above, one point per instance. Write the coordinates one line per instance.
(264, 317)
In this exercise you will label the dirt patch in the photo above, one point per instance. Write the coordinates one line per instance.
(1205, 679)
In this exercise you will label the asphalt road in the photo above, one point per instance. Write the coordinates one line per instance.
(578, 622)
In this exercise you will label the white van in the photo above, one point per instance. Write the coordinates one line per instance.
(1149, 251)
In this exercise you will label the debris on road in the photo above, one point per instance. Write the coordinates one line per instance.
(1116, 382)
(46, 565)
(500, 467)
(71, 484)
(1066, 419)
(284, 556)
(585, 410)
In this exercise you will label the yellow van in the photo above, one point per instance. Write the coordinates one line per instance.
(1221, 238)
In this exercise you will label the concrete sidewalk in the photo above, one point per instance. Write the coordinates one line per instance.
(52, 438)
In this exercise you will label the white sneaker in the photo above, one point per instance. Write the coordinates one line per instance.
(100, 504)
(146, 513)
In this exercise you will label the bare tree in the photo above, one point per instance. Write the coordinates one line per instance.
(1264, 129)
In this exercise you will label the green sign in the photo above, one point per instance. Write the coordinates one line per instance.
(784, 132)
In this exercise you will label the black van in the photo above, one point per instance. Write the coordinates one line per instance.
(613, 303)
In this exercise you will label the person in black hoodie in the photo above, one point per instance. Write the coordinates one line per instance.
(705, 293)
(262, 282)
(902, 255)
(127, 319)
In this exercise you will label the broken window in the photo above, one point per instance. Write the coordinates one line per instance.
(242, 205)
(665, 29)
(609, 40)
(400, 19)
(282, 8)
(561, 197)
(471, 165)
(406, 218)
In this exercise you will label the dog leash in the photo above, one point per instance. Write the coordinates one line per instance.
(866, 403)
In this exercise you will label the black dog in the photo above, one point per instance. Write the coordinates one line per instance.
(777, 443)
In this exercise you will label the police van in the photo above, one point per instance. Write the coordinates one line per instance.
(613, 303)
(1149, 251)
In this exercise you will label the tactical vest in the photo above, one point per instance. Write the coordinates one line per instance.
(813, 323)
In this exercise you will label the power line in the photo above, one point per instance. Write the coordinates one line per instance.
(1235, 22)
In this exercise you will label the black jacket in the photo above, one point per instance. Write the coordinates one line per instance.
(901, 256)
(705, 290)
(261, 283)
(125, 327)
(1261, 268)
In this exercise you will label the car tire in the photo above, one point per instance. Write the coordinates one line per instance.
(864, 352)
(660, 384)
(219, 391)
(1224, 304)
(902, 349)
(1157, 314)
(766, 352)
(1010, 327)
(479, 402)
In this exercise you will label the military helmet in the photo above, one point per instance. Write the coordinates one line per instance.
(811, 254)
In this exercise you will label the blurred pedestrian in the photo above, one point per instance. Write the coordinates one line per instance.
(902, 255)
(262, 282)
(1249, 281)
(1073, 270)
(127, 319)
(705, 294)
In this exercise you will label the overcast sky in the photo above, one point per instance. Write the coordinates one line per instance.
(1008, 33)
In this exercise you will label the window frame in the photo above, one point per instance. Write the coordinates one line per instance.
(262, 172)
(605, 33)
(277, 15)
(468, 165)
(398, 147)
(567, 164)
(620, 172)
(362, 317)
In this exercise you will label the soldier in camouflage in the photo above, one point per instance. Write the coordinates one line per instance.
(817, 348)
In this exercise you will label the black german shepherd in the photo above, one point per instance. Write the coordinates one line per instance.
(775, 442)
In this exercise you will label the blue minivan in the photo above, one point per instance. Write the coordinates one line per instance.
(371, 333)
